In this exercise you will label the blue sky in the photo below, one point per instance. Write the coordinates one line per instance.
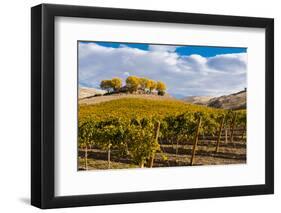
(187, 70)
(206, 51)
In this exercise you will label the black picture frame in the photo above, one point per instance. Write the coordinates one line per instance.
(43, 102)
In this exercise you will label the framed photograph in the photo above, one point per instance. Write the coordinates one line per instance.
(139, 106)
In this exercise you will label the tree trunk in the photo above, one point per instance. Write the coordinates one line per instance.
(195, 141)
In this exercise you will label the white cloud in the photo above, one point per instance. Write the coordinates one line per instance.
(162, 48)
(184, 75)
(228, 62)
(126, 74)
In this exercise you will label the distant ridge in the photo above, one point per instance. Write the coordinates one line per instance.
(86, 92)
(233, 101)
(199, 100)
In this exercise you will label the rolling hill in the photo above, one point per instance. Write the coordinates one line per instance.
(233, 101)
(131, 107)
(86, 92)
(199, 100)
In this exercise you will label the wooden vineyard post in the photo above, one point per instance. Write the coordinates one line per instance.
(151, 159)
(86, 156)
(225, 134)
(141, 164)
(243, 132)
(177, 147)
(232, 128)
(219, 134)
(108, 156)
(195, 141)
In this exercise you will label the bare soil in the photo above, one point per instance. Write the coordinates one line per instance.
(228, 153)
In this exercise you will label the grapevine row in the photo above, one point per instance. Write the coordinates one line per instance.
(140, 138)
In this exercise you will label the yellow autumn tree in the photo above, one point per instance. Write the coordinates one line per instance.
(144, 83)
(116, 84)
(161, 87)
(106, 85)
(132, 83)
(152, 85)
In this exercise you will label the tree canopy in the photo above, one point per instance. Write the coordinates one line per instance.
(116, 84)
(112, 85)
(106, 85)
(152, 85)
(144, 83)
(134, 84)
(161, 87)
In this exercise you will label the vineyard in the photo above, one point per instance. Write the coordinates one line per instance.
(135, 132)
